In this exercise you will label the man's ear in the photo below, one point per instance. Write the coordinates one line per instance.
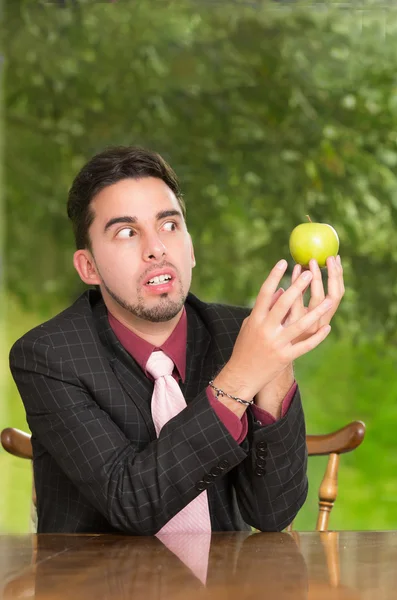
(192, 252)
(84, 264)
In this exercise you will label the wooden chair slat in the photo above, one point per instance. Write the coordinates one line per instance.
(17, 443)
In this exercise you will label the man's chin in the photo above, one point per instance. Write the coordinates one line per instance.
(157, 316)
(162, 310)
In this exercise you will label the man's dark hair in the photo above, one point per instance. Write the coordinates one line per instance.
(110, 166)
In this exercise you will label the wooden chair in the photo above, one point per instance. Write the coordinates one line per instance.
(332, 444)
(18, 443)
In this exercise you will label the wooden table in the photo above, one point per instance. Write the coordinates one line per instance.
(226, 566)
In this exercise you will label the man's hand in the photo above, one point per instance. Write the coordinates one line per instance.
(266, 343)
(336, 290)
(271, 396)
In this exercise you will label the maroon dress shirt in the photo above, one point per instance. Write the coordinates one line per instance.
(175, 348)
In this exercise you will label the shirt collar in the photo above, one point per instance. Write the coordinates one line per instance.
(174, 346)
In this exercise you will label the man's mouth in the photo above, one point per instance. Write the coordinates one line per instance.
(161, 282)
(160, 279)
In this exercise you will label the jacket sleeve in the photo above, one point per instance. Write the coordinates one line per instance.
(271, 483)
(137, 492)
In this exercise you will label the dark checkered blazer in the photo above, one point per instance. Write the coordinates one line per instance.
(98, 466)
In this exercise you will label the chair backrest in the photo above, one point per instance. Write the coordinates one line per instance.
(17, 442)
(334, 444)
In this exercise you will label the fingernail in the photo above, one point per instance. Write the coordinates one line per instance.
(306, 275)
(281, 264)
(327, 303)
(313, 262)
(339, 260)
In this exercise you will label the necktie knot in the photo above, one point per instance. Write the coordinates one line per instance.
(159, 364)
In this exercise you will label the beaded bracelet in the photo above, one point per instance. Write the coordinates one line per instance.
(222, 393)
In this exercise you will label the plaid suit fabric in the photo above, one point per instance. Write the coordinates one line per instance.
(97, 463)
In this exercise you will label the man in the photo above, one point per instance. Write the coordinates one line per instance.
(118, 445)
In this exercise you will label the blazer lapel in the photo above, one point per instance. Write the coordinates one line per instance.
(138, 387)
(199, 364)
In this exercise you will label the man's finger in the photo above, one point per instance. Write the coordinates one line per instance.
(297, 310)
(297, 270)
(310, 343)
(317, 293)
(276, 296)
(334, 288)
(264, 299)
(285, 302)
(294, 331)
(341, 281)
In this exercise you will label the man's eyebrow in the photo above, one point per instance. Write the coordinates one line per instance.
(116, 220)
(168, 213)
(131, 220)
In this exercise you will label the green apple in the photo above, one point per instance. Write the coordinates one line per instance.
(313, 240)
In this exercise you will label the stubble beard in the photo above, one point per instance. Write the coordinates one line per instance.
(164, 310)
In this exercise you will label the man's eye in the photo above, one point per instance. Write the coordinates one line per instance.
(170, 226)
(127, 232)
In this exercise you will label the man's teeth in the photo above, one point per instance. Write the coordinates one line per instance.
(159, 279)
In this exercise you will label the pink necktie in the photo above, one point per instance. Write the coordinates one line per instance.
(167, 402)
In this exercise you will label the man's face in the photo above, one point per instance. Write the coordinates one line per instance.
(139, 233)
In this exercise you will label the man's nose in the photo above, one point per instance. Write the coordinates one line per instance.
(154, 249)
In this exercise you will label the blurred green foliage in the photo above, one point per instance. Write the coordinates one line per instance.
(268, 112)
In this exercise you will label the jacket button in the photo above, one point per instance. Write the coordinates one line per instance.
(223, 465)
(261, 445)
(260, 462)
(215, 471)
(200, 486)
(260, 471)
(261, 453)
(208, 478)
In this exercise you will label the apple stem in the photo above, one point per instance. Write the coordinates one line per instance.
(309, 218)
